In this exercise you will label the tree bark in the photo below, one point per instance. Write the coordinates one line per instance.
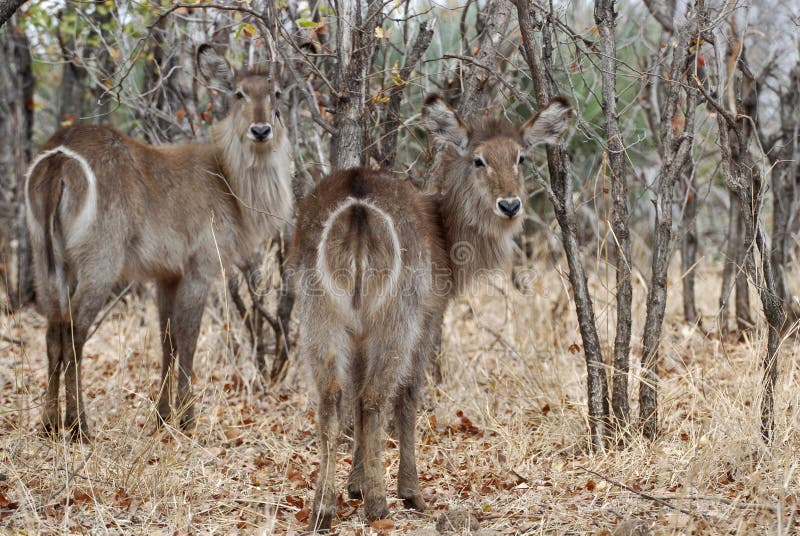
(355, 46)
(784, 176)
(677, 148)
(477, 91)
(663, 12)
(392, 123)
(744, 321)
(689, 245)
(742, 178)
(16, 129)
(560, 182)
(7, 9)
(604, 17)
(73, 79)
(729, 266)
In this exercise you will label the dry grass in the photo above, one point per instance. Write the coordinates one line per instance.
(504, 437)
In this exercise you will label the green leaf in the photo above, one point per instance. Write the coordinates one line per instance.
(306, 23)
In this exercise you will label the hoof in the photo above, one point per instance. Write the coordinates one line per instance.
(49, 429)
(79, 433)
(376, 509)
(320, 522)
(355, 484)
(162, 419)
(51, 423)
(188, 422)
(354, 493)
(414, 502)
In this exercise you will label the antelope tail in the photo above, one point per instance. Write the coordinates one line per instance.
(359, 258)
(47, 190)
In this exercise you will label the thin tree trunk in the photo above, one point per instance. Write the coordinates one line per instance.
(73, 78)
(604, 17)
(743, 180)
(392, 123)
(16, 129)
(740, 177)
(689, 246)
(729, 267)
(355, 45)
(677, 147)
(558, 165)
(744, 321)
(24, 110)
(477, 90)
(284, 315)
(7, 8)
(784, 188)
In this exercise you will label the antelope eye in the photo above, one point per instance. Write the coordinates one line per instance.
(239, 94)
(521, 159)
(479, 162)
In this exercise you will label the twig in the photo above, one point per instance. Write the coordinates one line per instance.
(311, 100)
(517, 93)
(108, 310)
(642, 494)
(728, 502)
(713, 102)
(140, 44)
(12, 340)
(70, 476)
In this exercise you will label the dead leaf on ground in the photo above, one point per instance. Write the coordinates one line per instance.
(382, 524)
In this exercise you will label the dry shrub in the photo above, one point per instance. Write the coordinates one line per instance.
(504, 437)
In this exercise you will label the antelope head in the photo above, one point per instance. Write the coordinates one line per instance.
(252, 98)
(487, 156)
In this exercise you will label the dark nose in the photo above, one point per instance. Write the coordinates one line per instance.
(509, 206)
(260, 132)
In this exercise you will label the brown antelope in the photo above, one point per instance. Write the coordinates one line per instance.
(103, 208)
(375, 262)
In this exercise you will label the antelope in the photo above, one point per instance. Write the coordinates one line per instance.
(103, 208)
(374, 263)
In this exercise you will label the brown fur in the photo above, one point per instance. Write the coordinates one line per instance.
(375, 263)
(104, 208)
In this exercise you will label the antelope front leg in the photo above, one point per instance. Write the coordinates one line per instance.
(328, 434)
(51, 416)
(405, 414)
(190, 301)
(166, 299)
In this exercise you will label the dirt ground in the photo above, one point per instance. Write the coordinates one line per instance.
(502, 442)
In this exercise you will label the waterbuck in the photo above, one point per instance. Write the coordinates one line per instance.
(103, 208)
(375, 262)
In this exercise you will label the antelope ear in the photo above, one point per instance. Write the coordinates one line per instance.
(276, 71)
(444, 124)
(214, 69)
(276, 77)
(549, 123)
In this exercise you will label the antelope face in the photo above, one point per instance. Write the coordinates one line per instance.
(252, 98)
(254, 109)
(497, 171)
(492, 154)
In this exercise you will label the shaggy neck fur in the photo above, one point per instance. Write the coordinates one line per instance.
(260, 180)
(478, 243)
